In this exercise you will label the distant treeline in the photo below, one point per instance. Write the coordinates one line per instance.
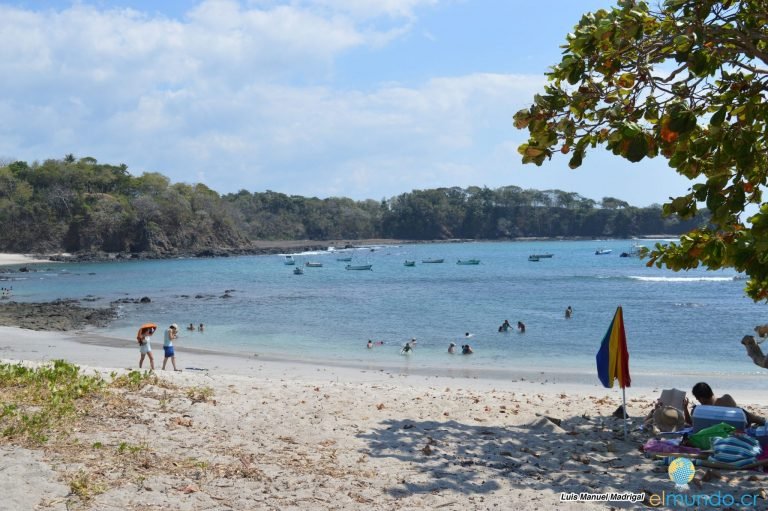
(80, 205)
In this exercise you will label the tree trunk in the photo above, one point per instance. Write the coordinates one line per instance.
(754, 352)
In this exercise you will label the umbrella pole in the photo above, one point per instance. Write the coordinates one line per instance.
(624, 408)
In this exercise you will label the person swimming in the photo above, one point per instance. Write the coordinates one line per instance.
(466, 349)
(452, 348)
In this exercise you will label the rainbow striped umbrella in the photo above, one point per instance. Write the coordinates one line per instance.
(613, 359)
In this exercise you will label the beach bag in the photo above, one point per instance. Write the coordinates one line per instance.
(736, 450)
(703, 439)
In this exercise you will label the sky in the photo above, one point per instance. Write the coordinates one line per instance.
(364, 99)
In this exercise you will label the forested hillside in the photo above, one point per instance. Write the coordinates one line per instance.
(83, 206)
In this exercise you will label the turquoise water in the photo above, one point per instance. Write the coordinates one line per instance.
(690, 322)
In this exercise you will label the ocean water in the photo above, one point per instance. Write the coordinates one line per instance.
(686, 322)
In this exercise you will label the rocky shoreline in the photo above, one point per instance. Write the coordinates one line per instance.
(256, 248)
(60, 315)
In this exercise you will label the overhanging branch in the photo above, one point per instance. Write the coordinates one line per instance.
(754, 352)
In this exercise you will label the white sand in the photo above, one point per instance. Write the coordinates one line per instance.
(9, 259)
(277, 435)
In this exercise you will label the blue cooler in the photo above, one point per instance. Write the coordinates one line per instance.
(761, 434)
(705, 416)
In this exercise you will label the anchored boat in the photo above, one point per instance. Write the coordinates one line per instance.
(359, 267)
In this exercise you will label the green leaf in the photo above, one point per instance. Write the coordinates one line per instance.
(576, 159)
(718, 117)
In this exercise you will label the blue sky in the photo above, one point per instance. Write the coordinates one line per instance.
(356, 98)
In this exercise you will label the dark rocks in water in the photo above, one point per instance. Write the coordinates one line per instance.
(23, 269)
(60, 315)
(144, 299)
(226, 295)
(199, 296)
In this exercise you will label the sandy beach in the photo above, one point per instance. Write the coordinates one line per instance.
(13, 259)
(241, 433)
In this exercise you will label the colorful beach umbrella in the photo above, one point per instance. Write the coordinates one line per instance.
(613, 360)
(613, 357)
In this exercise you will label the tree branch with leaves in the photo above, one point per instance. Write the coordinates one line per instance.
(687, 81)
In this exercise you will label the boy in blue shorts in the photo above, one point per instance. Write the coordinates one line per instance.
(170, 334)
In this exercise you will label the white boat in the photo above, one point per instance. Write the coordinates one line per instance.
(289, 260)
(432, 261)
(533, 258)
(310, 264)
(544, 256)
(468, 261)
(409, 263)
(298, 271)
(344, 259)
(359, 267)
(603, 251)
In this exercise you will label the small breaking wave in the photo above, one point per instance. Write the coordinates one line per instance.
(681, 279)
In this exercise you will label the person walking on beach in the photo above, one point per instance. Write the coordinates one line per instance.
(144, 338)
(170, 335)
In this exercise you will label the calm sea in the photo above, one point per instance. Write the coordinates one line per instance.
(688, 322)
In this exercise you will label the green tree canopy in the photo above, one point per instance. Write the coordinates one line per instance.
(686, 80)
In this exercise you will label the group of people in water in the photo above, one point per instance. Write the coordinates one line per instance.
(6, 292)
(506, 326)
(466, 349)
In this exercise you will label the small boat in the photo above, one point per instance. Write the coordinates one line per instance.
(289, 260)
(298, 271)
(468, 261)
(310, 264)
(344, 259)
(359, 266)
(533, 258)
(544, 256)
(409, 263)
(603, 251)
(432, 261)
(636, 250)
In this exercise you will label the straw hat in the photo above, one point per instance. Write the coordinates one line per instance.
(668, 419)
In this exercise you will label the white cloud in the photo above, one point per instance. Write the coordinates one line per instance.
(240, 95)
